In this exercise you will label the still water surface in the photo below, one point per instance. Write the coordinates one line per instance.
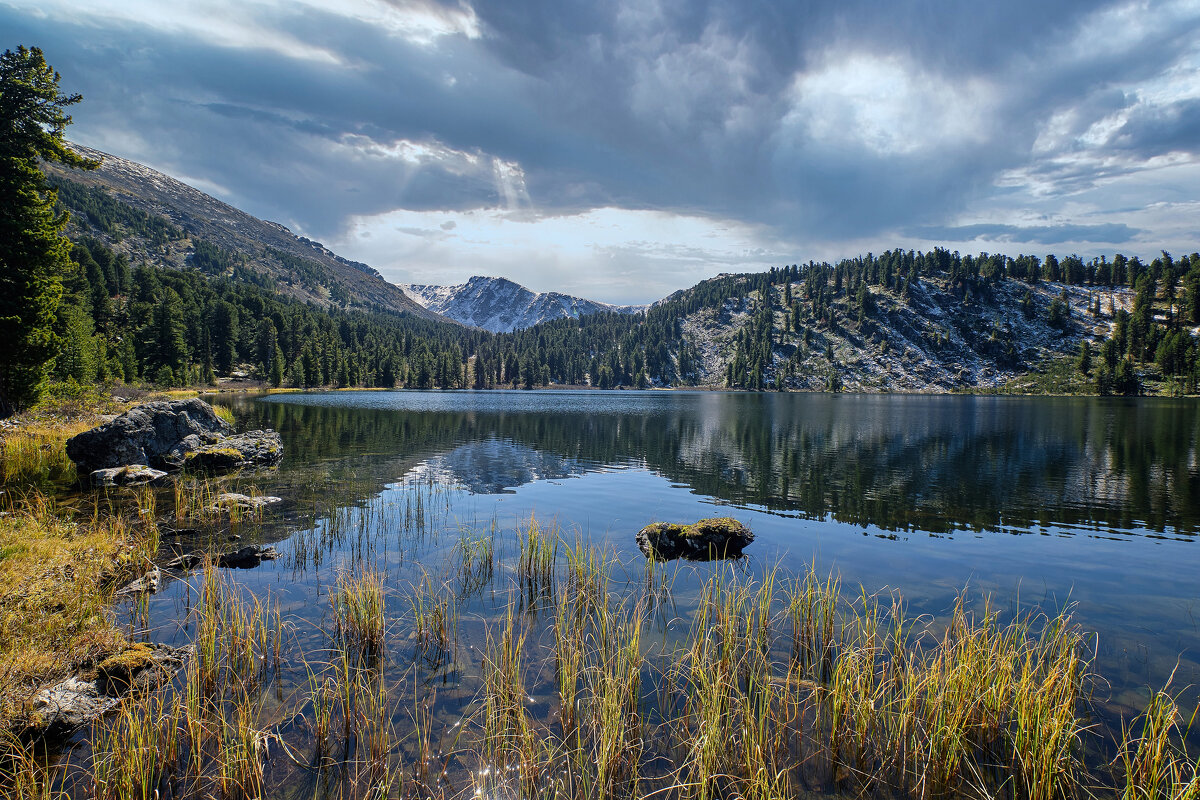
(1033, 502)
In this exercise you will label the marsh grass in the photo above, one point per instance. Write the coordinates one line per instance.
(24, 774)
(36, 455)
(782, 684)
(772, 687)
(535, 564)
(358, 611)
(477, 559)
(1153, 762)
(434, 620)
(224, 413)
(207, 737)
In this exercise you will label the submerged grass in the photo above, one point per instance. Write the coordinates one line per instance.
(358, 606)
(773, 688)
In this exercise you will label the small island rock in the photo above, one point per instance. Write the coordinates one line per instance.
(718, 537)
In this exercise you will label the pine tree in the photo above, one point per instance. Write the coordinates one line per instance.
(33, 253)
(167, 328)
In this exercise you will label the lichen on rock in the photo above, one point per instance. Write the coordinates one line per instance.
(707, 539)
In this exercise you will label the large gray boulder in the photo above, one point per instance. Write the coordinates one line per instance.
(718, 537)
(170, 435)
(145, 434)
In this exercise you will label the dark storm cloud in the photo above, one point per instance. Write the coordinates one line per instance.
(1164, 129)
(743, 110)
(1111, 233)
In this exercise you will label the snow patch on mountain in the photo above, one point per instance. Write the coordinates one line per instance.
(502, 306)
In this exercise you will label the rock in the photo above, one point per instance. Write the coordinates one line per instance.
(145, 434)
(169, 435)
(247, 557)
(249, 449)
(129, 475)
(242, 558)
(229, 502)
(719, 537)
(69, 705)
(185, 562)
(141, 666)
(147, 584)
(75, 702)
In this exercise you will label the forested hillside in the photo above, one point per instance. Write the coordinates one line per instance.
(903, 320)
(148, 300)
(153, 218)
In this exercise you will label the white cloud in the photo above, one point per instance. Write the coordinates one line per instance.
(608, 254)
(254, 24)
(418, 21)
(887, 104)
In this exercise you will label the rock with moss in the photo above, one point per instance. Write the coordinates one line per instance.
(250, 449)
(129, 475)
(78, 701)
(145, 434)
(169, 435)
(140, 666)
(236, 503)
(717, 537)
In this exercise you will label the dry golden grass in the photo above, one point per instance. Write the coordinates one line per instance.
(35, 452)
(57, 576)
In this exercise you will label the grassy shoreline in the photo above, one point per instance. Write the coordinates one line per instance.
(776, 687)
(62, 555)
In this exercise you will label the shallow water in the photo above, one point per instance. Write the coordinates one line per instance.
(1035, 503)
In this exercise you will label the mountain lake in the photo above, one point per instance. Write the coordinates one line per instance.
(1025, 508)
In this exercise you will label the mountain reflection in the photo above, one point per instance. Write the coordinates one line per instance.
(895, 462)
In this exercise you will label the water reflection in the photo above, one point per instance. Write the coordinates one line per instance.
(894, 462)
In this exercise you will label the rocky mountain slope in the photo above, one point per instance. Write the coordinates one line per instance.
(937, 337)
(156, 219)
(502, 306)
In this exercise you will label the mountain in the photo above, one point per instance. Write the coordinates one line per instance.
(936, 335)
(502, 306)
(153, 218)
(902, 321)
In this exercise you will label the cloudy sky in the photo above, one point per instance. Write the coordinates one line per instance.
(625, 148)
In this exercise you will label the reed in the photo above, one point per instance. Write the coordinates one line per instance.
(614, 719)
(1153, 761)
(137, 753)
(374, 727)
(507, 726)
(358, 606)
(776, 688)
(535, 565)
(477, 559)
(240, 761)
(435, 622)
(322, 698)
(24, 775)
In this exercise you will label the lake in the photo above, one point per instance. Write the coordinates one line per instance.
(1023, 504)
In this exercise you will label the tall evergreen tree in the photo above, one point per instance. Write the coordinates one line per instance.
(33, 252)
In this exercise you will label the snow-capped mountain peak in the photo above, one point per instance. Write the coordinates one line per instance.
(501, 306)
